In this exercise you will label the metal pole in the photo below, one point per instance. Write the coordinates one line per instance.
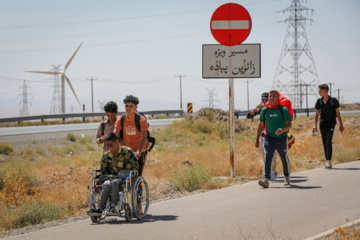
(180, 90)
(92, 95)
(232, 127)
(247, 85)
(180, 93)
(300, 96)
(62, 94)
(307, 106)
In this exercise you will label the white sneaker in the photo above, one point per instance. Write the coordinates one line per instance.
(328, 164)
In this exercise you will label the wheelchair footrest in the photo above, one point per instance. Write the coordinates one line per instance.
(111, 214)
(92, 214)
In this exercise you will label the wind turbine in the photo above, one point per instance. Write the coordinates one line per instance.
(63, 78)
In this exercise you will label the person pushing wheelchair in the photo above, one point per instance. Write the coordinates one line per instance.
(115, 166)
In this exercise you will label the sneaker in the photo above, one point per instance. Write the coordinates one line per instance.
(287, 181)
(95, 210)
(328, 164)
(264, 183)
(113, 210)
(274, 175)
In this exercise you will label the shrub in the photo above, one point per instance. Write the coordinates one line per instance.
(40, 150)
(190, 178)
(71, 137)
(6, 148)
(29, 213)
(85, 139)
(18, 187)
(203, 125)
(90, 147)
(2, 180)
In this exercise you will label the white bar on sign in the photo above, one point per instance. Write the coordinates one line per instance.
(234, 24)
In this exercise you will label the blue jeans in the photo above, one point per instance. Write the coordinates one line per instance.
(281, 145)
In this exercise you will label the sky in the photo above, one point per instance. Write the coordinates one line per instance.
(143, 47)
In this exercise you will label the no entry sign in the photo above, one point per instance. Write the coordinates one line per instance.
(230, 24)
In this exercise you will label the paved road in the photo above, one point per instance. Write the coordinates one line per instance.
(318, 200)
(13, 131)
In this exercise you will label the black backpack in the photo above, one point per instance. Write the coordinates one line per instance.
(138, 127)
(103, 123)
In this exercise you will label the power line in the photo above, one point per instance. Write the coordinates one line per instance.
(105, 20)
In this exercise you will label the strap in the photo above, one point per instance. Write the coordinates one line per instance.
(103, 123)
(137, 121)
(122, 118)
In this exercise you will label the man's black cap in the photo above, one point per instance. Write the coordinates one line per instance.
(265, 95)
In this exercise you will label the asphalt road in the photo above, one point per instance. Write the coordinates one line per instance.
(318, 200)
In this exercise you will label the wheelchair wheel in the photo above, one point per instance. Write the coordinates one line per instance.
(95, 200)
(140, 197)
(95, 219)
(128, 213)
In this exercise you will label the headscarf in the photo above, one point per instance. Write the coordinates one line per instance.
(283, 101)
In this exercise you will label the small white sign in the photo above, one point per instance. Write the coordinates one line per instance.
(239, 61)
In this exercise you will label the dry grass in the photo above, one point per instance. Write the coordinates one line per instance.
(60, 174)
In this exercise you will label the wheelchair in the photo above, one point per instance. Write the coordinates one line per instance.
(134, 198)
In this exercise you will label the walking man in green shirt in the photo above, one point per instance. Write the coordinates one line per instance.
(277, 121)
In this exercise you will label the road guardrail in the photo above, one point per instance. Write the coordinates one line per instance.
(63, 116)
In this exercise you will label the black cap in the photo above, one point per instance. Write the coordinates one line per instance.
(265, 95)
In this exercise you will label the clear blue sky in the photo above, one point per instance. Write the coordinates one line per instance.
(139, 47)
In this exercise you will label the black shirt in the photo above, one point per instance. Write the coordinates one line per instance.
(327, 111)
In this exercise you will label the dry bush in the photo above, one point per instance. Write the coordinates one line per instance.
(18, 187)
(6, 148)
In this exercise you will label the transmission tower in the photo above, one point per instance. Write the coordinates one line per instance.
(211, 97)
(56, 98)
(24, 111)
(296, 64)
(101, 105)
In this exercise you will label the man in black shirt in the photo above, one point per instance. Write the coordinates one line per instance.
(328, 107)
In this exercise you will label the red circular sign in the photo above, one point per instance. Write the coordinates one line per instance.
(230, 24)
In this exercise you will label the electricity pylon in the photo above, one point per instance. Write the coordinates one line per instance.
(296, 65)
(24, 111)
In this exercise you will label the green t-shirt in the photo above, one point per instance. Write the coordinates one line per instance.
(274, 120)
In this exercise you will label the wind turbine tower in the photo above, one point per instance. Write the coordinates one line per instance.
(63, 79)
(24, 111)
(296, 66)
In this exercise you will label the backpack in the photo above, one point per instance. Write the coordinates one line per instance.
(291, 138)
(138, 127)
(331, 102)
(103, 123)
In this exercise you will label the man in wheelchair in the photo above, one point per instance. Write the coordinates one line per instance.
(115, 167)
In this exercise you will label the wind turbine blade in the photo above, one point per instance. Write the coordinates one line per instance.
(70, 60)
(68, 81)
(51, 73)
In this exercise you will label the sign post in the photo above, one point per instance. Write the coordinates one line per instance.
(232, 127)
(230, 25)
